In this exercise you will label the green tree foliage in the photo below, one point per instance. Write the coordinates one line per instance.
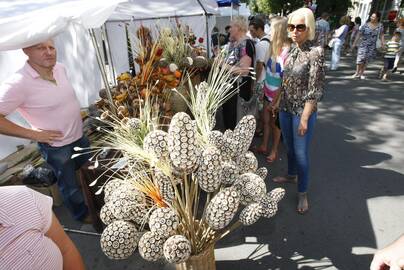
(337, 7)
(278, 6)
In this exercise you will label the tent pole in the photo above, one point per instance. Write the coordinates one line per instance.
(207, 28)
(102, 69)
(108, 47)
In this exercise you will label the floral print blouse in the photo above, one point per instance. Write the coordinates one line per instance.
(303, 78)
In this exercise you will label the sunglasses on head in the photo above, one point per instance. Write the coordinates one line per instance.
(298, 27)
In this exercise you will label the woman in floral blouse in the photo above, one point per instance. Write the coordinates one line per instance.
(302, 88)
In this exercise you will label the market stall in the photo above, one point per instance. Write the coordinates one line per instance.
(24, 23)
(170, 185)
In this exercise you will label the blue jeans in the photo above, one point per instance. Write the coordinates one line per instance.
(297, 146)
(64, 167)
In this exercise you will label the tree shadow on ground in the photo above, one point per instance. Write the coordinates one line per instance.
(352, 124)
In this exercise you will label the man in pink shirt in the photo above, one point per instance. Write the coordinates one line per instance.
(42, 94)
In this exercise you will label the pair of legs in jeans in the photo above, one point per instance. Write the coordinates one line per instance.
(336, 54)
(297, 150)
(64, 167)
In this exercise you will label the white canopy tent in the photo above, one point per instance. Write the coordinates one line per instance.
(26, 22)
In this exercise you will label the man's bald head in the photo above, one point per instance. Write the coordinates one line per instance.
(42, 54)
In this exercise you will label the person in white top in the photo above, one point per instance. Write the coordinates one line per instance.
(257, 30)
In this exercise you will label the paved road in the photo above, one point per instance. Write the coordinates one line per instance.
(356, 191)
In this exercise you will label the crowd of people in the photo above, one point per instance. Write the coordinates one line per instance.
(289, 63)
(288, 56)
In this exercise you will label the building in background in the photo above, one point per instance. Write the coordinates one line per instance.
(362, 8)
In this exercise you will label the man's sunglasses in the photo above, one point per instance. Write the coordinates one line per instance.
(299, 27)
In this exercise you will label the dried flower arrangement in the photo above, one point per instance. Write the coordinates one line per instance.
(162, 65)
(154, 201)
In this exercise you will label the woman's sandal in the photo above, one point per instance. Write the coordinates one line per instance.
(285, 179)
(303, 204)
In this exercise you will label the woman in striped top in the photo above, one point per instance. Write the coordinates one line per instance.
(273, 80)
(31, 236)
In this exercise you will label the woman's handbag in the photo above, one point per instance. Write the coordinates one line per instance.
(332, 43)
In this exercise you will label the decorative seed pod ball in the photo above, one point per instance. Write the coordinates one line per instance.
(230, 172)
(151, 246)
(209, 172)
(222, 208)
(127, 203)
(177, 249)
(164, 184)
(200, 62)
(247, 162)
(244, 133)
(216, 139)
(262, 172)
(251, 214)
(106, 215)
(230, 145)
(119, 240)
(134, 123)
(251, 188)
(182, 142)
(111, 186)
(269, 206)
(163, 221)
(277, 194)
(156, 142)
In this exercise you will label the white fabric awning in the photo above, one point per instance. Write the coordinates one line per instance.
(147, 9)
(26, 22)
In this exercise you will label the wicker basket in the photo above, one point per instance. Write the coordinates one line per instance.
(203, 261)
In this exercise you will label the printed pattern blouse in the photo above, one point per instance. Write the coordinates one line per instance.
(303, 78)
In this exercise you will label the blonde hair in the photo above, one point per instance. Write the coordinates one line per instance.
(279, 36)
(241, 23)
(309, 21)
(345, 20)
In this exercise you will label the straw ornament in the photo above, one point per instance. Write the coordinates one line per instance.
(163, 221)
(177, 249)
(106, 215)
(230, 172)
(262, 172)
(222, 208)
(251, 214)
(209, 172)
(247, 162)
(119, 240)
(181, 142)
(110, 187)
(127, 203)
(156, 142)
(151, 246)
(251, 188)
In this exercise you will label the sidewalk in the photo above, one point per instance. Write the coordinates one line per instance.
(356, 192)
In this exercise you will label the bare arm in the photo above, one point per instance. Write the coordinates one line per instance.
(390, 257)
(382, 38)
(72, 259)
(358, 35)
(259, 68)
(243, 68)
(10, 129)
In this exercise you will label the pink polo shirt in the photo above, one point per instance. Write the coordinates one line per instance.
(25, 218)
(45, 105)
